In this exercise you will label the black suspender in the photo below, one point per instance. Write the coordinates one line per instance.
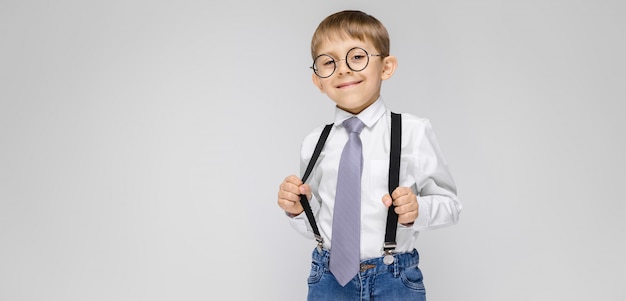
(394, 179)
(303, 200)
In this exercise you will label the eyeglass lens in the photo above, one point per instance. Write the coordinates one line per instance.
(356, 59)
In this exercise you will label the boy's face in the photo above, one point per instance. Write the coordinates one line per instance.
(353, 91)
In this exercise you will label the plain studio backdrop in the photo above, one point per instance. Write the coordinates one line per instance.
(142, 144)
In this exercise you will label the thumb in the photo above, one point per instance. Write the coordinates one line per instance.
(306, 190)
(387, 200)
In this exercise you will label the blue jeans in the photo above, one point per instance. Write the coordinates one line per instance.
(401, 280)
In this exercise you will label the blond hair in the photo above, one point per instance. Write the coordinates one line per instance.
(351, 24)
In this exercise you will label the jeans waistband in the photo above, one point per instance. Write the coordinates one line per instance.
(374, 265)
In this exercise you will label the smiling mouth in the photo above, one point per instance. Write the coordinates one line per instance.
(348, 84)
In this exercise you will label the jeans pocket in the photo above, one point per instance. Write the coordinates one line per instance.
(316, 273)
(412, 278)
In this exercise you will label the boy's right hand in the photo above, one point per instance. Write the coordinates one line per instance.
(289, 195)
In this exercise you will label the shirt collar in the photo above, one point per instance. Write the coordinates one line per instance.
(369, 116)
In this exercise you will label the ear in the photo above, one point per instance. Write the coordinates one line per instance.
(390, 64)
(317, 82)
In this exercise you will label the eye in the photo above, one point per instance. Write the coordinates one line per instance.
(328, 62)
(325, 61)
(357, 56)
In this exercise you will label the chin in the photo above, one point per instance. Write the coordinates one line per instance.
(353, 109)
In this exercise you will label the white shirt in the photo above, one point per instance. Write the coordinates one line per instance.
(422, 167)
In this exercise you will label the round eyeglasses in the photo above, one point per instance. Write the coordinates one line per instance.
(356, 59)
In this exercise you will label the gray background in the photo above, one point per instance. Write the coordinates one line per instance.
(142, 144)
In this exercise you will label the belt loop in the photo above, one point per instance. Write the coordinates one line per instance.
(396, 269)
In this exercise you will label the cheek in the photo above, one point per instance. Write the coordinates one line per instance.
(323, 84)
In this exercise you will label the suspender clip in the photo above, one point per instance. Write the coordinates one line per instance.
(320, 242)
(389, 246)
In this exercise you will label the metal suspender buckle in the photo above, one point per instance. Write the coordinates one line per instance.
(388, 253)
(320, 243)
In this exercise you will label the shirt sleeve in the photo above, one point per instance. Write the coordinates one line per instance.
(436, 192)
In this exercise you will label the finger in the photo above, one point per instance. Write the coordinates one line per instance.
(306, 190)
(289, 193)
(403, 200)
(406, 208)
(290, 203)
(407, 218)
(404, 196)
(288, 196)
(400, 191)
(387, 200)
(294, 208)
(407, 213)
(293, 180)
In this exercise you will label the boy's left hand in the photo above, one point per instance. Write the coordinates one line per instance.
(406, 204)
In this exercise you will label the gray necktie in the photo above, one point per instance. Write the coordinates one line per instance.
(346, 238)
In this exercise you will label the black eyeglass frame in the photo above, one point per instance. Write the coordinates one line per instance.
(345, 59)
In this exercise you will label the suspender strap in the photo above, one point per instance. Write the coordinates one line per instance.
(309, 168)
(394, 180)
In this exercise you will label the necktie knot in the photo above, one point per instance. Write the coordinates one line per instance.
(353, 125)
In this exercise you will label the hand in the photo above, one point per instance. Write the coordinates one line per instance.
(289, 195)
(406, 204)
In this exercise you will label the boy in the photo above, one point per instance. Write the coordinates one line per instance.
(350, 51)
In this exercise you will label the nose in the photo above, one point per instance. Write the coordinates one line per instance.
(343, 68)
